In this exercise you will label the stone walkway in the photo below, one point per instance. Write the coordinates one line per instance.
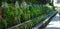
(55, 23)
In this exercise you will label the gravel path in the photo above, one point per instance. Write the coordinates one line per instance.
(55, 23)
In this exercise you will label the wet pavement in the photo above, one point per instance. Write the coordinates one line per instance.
(55, 23)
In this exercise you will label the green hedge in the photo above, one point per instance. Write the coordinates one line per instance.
(14, 15)
(30, 24)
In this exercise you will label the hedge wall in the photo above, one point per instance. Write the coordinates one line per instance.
(12, 15)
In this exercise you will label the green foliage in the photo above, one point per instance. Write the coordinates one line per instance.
(26, 13)
(19, 1)
(3, 24)
(0, 3)
(38, 1)
(15, 15)
(11, 15)
(30, 24)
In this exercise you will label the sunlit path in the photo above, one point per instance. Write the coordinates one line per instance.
(55, 23)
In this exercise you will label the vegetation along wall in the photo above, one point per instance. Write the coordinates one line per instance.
(14, 12)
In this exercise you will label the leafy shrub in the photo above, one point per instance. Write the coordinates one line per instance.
(15, 15)
(11, 15)
(29, 25)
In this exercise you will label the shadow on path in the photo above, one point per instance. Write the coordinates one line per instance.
(52, 28)
(54, 24)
